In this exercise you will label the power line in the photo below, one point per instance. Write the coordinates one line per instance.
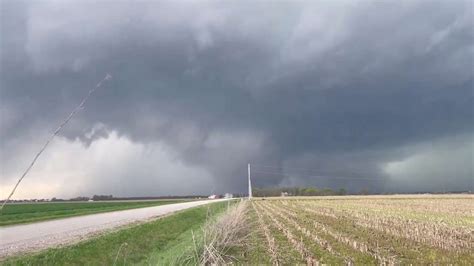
(317, 176)
(301, 169)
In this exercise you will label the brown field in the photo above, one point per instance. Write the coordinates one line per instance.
(399, 229)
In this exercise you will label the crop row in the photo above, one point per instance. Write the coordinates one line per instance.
(272, 248)
(330, 233)
(298, 245)
(431, 233)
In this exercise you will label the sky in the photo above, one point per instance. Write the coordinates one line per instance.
(337, 94)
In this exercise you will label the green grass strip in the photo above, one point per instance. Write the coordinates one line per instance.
(140, 244)
(34, 212)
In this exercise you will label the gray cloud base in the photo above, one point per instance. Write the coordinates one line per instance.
(334, 86)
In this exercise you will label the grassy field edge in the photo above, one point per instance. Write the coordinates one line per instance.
(14, 214)
(134, 245)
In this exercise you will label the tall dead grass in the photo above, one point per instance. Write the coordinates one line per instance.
(220, 236)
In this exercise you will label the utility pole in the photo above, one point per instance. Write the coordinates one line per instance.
(250, 183)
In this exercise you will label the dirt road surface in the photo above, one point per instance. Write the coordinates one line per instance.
(41, 235)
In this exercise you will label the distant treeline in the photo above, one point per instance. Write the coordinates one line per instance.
(161, 197)
(296, 191)
(82, 198)
(111, 197)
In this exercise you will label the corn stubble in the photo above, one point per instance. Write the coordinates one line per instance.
(383, 231)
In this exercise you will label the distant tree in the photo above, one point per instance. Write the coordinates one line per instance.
(296, 191)
(309, 191)
(102, 197)
(327, 192)
(80, 199)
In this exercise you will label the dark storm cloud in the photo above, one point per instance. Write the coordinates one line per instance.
(337, 86)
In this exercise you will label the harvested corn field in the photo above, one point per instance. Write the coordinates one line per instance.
(362, 230)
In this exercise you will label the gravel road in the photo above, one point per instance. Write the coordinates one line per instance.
(41, 235)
